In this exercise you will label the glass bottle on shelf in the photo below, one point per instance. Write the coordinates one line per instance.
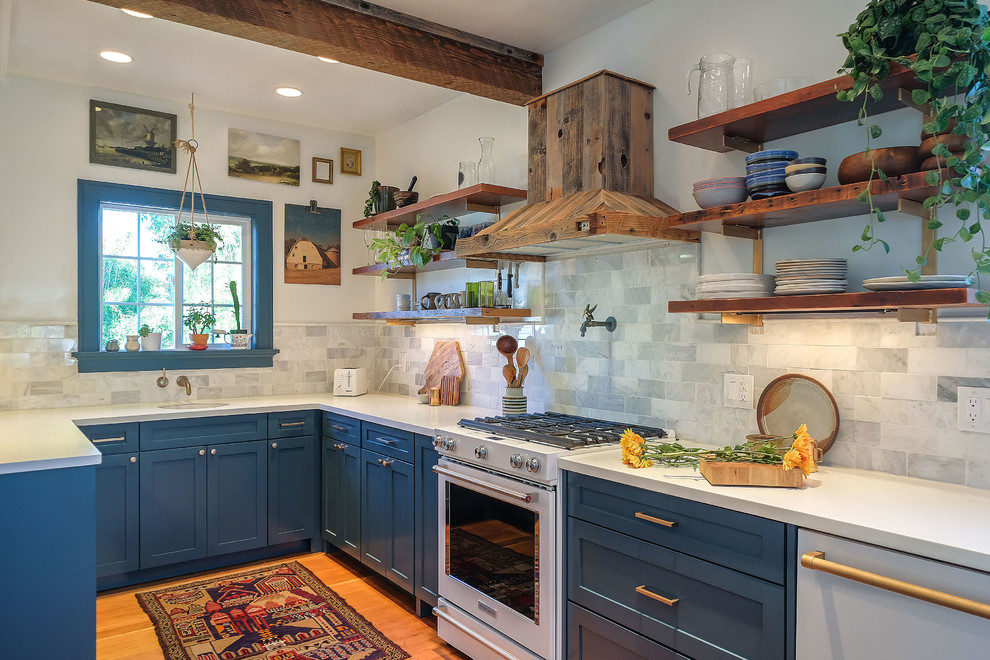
(486, 166)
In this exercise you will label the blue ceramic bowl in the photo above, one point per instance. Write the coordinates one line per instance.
(771, 154)
(810, 159)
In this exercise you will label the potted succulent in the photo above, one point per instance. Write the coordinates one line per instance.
(239, 337)
(199, 323)
(414, 244)
(150, 341)
(946, 44)
(192, 243)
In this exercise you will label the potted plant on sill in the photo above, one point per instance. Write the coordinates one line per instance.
(947, 46)
(239, 338)
(415, 244)
(192, 243)
(199, 323)
(150, 341)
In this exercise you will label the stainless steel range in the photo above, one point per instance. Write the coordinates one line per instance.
(500, 581)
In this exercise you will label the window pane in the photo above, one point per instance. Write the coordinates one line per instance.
(119, 280)
(196, 284)
(160, 319)
(230, 249)
(153, 227)
(120, 229)
(156, 281)
(118, 322)
(225, 318)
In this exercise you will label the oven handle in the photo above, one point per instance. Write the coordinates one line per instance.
(523, 497)
(440, 614)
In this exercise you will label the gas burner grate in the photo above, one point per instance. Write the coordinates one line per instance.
(559, 429)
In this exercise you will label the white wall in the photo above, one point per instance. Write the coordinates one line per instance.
(44, 132)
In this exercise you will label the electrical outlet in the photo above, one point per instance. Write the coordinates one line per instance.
(402, 360)
(973, 409)
(737, 390)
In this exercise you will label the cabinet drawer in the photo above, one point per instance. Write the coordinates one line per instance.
(113, 438)
(343, 428)
(717, 613)
(391, 442)
(292, 423)
(740, 541)
(590, 637)
(174, 433)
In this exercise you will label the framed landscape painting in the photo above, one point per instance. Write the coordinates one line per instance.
(123, 136)
(261, 157)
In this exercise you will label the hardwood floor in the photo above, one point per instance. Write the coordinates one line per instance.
(123, 630)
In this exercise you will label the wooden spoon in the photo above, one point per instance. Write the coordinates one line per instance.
(522, 358)
(523, 372)
(510, 374)
(507, 345)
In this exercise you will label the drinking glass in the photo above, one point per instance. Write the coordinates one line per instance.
(486, 293)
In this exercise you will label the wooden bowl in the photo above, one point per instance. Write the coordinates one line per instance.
(405, 197)
(931, 164)
(955, 143)
(894, 161)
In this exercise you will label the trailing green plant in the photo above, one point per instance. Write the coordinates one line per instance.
(237, 307)
(199, 321)
(946, 43)
(369, 204)
(411, 244)
(188, 231)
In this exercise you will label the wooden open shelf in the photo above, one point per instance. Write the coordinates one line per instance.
(471, 315)
(810, 206)
(481, 197)
(802, 110)
(447, 260)
(834, 302)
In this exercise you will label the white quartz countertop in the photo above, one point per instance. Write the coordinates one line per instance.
(928, 518)
(49, 439)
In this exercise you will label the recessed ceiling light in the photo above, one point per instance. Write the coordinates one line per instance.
(327, 60)
(114, 56)
(136, 14)
(288, 91)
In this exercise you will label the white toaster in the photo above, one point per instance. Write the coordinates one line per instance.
(350, 381)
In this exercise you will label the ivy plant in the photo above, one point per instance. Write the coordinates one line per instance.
(411, 244)
(946, 44)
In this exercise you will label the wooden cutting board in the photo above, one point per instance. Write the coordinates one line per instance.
(720, 473)
(445, 360)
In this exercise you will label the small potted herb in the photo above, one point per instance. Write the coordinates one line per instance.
(150, 341)
(199, 323)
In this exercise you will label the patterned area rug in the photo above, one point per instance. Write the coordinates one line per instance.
(279, 612)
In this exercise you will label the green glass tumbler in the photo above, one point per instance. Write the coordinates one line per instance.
(471, 300)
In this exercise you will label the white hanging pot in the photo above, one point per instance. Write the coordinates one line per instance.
(193, 253)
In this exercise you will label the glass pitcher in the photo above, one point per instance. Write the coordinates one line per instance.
(715, 86)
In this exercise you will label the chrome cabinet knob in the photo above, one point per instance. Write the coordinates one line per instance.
(516, 461)
(533, 464)
(481, 452)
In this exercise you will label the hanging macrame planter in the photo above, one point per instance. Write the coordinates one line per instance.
(192, 244)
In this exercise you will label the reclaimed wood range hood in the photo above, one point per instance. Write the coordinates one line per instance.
(590, 174)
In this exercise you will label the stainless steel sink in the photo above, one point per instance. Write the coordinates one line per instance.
(192, 405)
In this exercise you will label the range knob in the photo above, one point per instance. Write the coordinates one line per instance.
(437, 441)
(533, 464)
(516, 461)
(481, 452)
(449, 444)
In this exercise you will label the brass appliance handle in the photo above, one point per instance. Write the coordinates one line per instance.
(523, 497)
(440, 614)
(641, 589)
(659, 521)
(816, 561)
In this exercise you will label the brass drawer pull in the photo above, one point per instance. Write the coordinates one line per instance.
(342, 429)
(117, 439)
(339, 447)
(659, 521)
(286, 425)
(641, 589)
(816, 561)
(384, 441)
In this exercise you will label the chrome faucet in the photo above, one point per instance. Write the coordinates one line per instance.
(182, 381)
(590, 322)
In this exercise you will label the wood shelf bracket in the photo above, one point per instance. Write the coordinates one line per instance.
(736, 318)
(927, 315)
(904, 97)
(741, 144)
(917, 209)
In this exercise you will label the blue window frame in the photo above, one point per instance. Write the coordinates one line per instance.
(93, 198)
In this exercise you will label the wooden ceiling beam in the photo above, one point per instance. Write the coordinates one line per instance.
(364, 35)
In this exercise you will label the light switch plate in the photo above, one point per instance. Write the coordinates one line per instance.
(973, 409)
(737, 390)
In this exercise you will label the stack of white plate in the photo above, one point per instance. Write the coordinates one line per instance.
(797, 277)
(902, 283)
(734, 285)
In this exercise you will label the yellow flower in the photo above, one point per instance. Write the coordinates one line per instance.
(633, 447)
(802, 452)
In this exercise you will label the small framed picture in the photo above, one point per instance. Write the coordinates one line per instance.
(322, 170)
(131, 137)
(350, 161)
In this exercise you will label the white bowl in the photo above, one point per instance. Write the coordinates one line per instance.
(801, 182)
(720, 196)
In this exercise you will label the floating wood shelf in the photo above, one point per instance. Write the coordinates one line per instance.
(802, 110)
(481, 197)
(810, 206)
(834, 302)
(470, 315)
(447, 260)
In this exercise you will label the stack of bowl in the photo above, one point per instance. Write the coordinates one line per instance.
(719, 192)
(765, 173)
(805, 174)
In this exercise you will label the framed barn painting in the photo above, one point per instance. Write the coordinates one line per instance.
(123, 136)
(312, 245)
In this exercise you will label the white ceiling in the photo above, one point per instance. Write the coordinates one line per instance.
(61, 40)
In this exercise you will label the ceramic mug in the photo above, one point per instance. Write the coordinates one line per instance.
(451, 301)
(240, 340)
(430, 301)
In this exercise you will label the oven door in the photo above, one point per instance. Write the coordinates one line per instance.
(498, 553)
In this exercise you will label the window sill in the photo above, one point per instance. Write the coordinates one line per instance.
(215, 357)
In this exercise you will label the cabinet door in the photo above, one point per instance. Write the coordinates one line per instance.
(427, 521)
(173, 505)
(388, 523)
(375, 512)
(293, 470)
(237, 497)
(342, 496)
(117, 515)
(402, 531)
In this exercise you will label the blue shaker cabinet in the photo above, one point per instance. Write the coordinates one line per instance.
(427, 525)
(387, 524)
(237, 508)
(293, 471)
(341, 500)
(173, 506)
